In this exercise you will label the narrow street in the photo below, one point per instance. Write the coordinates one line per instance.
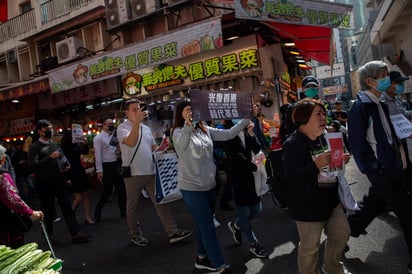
(381, 251)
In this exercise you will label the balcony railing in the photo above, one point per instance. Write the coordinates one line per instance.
(53, 9)
(17, 25)
(49, 11)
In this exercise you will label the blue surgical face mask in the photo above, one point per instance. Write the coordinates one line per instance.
(235, 121)
(399, 89)
(383, 84)
(311, 92)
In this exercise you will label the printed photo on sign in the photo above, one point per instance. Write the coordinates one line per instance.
(335, 146)
(220, 105)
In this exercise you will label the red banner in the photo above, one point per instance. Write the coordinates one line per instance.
(3, 11)
(24, 90)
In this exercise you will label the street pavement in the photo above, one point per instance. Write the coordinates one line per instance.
(381, 251)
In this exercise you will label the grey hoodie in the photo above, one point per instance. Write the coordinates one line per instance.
(196, 167)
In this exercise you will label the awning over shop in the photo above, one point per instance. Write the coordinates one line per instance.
(35, 86)
(313, 42)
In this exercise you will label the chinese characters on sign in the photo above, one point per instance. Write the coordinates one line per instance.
(403, 127)
(153, 51)
(302, 12)
(219, 105)
(169, 75)
(323, 72)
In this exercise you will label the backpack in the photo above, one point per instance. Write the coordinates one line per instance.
(287, 126)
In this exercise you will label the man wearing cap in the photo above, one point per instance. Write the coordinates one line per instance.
(390, 97)
(395, 106)
(376, 150)
(310, 87)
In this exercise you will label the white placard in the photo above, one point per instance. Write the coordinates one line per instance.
(77, 133)
(403, 127)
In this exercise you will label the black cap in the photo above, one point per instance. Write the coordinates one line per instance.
(396, 76)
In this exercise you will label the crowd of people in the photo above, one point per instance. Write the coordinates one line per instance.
(300, 159)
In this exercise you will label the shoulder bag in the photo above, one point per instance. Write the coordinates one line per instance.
(125, 171)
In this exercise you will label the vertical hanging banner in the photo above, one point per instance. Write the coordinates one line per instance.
(209, 105)
(3, 11)
(302, 12)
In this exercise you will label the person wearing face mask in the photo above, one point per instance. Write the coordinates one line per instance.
(108, 168)
(48, 163)
(395, 106)
(310, 87)
(376, 151)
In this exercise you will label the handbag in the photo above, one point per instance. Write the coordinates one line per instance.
(166, 189)
(125, 171)
(260, 174)
(346, 196)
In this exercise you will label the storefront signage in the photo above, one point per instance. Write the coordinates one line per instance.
(187, 73)
(303, 12)
(219, 105)
(22, 125)
(332, 90)
(186, 41)
(201, 70)
(24, 90)
(323, 72)
(80, 94)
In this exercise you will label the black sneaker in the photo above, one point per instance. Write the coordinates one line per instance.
(204, 263)
(258, 250)
(180, 235)
(237, 233)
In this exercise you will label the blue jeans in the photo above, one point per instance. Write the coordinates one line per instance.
(244, 215)
(201, 205)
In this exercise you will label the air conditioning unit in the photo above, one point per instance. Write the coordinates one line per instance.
(116, 12)
(67, 49)
(141, 8)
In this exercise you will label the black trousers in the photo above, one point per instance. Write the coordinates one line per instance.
(384, 193)
(112, 178)
(48, 190)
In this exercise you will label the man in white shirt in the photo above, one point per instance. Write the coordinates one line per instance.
(136, 138)
(108, 168)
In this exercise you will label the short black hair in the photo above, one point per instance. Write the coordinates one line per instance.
(43, 123)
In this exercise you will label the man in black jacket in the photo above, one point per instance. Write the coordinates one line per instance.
(48, 163)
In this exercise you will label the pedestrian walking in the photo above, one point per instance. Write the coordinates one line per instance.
(248, 204)
(376, 150)
(196, 180)
(137, 145)
(108, 164)
(315, 204)
(48, 163)
(80, 184)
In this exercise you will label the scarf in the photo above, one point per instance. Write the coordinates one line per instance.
(382, 116)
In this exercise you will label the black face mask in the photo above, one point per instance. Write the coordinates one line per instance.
(48, 134)
(110, 128)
